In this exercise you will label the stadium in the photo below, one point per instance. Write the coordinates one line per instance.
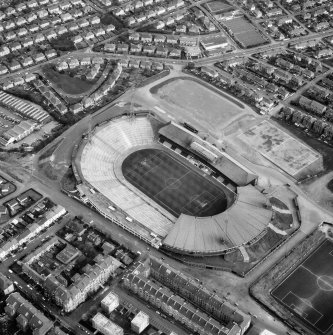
(168, 186)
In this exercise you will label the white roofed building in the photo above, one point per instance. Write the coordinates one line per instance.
(106, 326)
(140, 322)
(110, 302)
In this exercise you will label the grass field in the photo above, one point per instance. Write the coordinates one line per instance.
(206, 107)
(280, 148)
(308, 290)
(70, 85)
(174, 186)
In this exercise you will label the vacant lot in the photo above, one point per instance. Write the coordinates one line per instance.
(173, 185)
(308, 290)
(280, 148)
(70, 85)
(188, 99)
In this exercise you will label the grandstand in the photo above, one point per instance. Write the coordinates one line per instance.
(242, 222)
(23, 107)
(98, 167)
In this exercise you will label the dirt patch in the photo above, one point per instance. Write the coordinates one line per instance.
(260, 249)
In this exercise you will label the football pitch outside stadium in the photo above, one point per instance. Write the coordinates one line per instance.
(308, 290)
(173, 185)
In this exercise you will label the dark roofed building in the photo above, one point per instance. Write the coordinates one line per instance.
(35, 319)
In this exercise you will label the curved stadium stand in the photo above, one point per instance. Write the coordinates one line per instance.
(98, 162)
(239, 224)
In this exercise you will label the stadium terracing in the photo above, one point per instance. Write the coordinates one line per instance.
(236, 214)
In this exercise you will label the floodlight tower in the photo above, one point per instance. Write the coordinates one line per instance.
(132, 113)
(89, 128)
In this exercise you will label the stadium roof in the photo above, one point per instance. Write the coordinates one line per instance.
(239, 224)
(228, 166)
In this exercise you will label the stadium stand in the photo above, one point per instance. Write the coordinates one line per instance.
(224, 163)
(107, 144)
(239, 224)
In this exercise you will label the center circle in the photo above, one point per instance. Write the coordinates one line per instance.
(325, 283)
(172, 183)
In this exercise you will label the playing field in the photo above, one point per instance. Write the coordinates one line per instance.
(188, 99)
(308, 290)
(174, 186)
(245, 32)
(280, 148)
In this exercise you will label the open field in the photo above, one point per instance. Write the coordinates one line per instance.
(280, 148)
(308, 290)
(70, 85)
(187, 98)
(174, 186)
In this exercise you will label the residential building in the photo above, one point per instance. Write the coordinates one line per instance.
(6, 285)
(106, 326)
(27, 315)
(140, 322)
(49, 217)
(110, 302)
(78, 107)
(91, 279)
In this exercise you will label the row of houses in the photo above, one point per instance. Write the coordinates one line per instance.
(185, 300)
(73, 63)
(92, 277)
(132, 18)
(19, 80)
(50, 97)
(312, 105)
(51, 33)
(31, 230)
(147, 38)
(27, 61)
(27, 315)
(29, 20)
(150, 50)
(260, 99)
(297, 62)
(253, 76)
(91, 33)
(132, 6)
(36, 4)
(309, 122)
(94, 98)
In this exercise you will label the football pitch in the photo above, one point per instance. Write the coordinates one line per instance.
(187, 98)
(308, 290)
(173, 185)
